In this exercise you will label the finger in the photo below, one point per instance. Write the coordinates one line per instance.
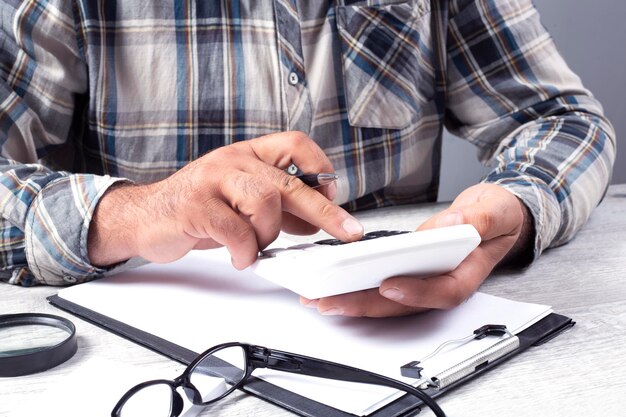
(258, 200)
(368, 303)
(224, 226)
(312, 207)
(296, 226)
(280, 150)
(490, 219)
(286, 148)
(441, 291)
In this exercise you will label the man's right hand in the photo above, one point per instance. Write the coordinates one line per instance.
(237, 196)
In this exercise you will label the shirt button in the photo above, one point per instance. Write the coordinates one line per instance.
(70, 279)
(293, 78)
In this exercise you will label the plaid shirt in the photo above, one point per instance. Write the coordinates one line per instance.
(93, 92)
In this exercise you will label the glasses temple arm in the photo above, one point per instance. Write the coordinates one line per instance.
(309, 366)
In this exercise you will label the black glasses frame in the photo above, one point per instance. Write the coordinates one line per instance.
(262, 357)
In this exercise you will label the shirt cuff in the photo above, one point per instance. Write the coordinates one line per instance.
(540, 200)
(57, 224)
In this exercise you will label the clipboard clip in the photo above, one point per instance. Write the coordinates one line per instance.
(469, 365)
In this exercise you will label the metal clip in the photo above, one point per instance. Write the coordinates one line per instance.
(467, 366)
(475, 363)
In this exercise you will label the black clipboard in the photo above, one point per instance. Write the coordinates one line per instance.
(537, 334)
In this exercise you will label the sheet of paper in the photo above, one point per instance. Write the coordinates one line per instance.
(200, 301)
(95, 387)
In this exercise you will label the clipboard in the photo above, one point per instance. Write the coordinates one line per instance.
(544, 330)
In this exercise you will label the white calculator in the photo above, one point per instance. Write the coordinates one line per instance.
(330, 267)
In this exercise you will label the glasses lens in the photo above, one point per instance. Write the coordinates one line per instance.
(153, 400)
(218, 372)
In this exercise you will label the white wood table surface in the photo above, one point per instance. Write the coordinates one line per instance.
(580, 373)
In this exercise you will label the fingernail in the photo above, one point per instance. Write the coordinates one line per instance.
(352, 227)
(450, 219)
(335, 311)
(393, 294)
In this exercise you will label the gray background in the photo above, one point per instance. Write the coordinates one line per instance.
(591, 35)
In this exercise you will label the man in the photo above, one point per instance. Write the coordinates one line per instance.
(135, 130)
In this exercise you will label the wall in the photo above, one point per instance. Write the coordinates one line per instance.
(591, 35)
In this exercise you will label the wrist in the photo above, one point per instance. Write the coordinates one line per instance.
(522, 252)
(112, 236)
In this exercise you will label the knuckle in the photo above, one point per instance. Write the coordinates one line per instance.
(267, 196)
(291, 184)
(302, 143)
(249, 185)
(328, 211)
(297, 137)
(230, 151)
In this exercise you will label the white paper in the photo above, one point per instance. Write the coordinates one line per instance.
(200, 301)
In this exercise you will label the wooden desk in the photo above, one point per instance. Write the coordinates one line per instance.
(582, 372)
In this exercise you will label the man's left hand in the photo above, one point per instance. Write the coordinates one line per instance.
(504, 225)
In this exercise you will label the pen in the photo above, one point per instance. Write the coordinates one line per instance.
(317, 180)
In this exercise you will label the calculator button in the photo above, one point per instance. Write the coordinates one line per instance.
(290, 251)
(377, 233)
(383, 233)
(332, 242)
(368, 236)
(306, 247)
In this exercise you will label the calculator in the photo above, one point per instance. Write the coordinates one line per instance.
(330, 267)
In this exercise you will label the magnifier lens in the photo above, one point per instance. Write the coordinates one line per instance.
(29, 338)
(32, 343)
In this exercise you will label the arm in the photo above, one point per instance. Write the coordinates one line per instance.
(45, 210)
(530, 114)
(237, 196)
(510, 93)
(60, 228)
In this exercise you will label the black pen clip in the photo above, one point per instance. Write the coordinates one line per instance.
(412, 370)
(490, 330)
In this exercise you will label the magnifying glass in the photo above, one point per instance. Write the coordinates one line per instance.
(34, 342)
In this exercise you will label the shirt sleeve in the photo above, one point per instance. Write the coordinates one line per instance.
(512, 95)
(45, 210)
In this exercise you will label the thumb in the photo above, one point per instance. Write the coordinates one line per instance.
(449, 217)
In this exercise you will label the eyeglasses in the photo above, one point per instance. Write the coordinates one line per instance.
(223, 368)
